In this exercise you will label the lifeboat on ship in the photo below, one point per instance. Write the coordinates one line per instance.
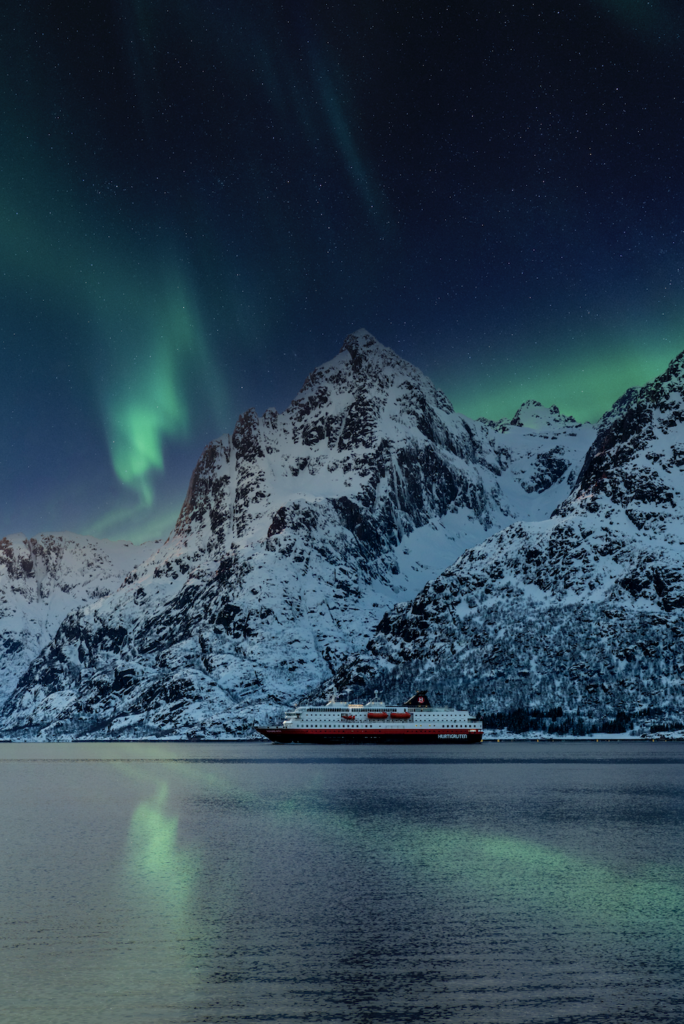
(349, 718)
(377, 714)
(402, 716)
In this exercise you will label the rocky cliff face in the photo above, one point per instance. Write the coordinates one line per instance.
(42, 580)
(584, 611)
(298, 533)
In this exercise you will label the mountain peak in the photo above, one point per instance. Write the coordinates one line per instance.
(365, 371)
(665, 392)
(534, 415)
(675, 370)
(635, 463)
(359, 340)
(364, 349)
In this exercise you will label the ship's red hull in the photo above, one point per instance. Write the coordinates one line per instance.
(441, 736)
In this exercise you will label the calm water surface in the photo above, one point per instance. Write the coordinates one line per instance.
(187, 883)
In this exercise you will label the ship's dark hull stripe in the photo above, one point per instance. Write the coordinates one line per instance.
(370, 736)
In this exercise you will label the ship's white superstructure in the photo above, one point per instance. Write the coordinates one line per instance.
(416, 721)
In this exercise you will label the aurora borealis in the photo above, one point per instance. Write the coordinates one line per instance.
(198, 201)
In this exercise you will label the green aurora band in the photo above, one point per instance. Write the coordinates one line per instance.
(150, 403)
(583, 384)
(148, 355)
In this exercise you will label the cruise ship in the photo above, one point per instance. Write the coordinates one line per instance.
(416, 721)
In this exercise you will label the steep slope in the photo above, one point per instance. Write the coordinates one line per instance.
(540, 452)
(42, 580)
(584, 611)
(297, 533)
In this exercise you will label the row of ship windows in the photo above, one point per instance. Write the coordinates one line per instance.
(323, 711)
(387, 710)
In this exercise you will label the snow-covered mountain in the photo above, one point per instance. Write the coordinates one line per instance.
(298, 533)
(583, 611)
(42, 580)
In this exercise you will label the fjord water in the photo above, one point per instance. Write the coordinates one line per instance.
(189, 883)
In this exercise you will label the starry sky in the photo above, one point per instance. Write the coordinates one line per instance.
(199, 200)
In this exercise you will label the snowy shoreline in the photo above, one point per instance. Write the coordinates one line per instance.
(509, 738)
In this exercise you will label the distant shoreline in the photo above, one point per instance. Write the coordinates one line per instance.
(487, 739)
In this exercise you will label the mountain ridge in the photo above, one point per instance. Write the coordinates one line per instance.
(298, 532)
(43, 579)
(583, 611)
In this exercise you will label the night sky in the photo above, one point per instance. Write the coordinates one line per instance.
(199, 200)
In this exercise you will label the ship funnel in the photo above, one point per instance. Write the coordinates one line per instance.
(420, 699)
